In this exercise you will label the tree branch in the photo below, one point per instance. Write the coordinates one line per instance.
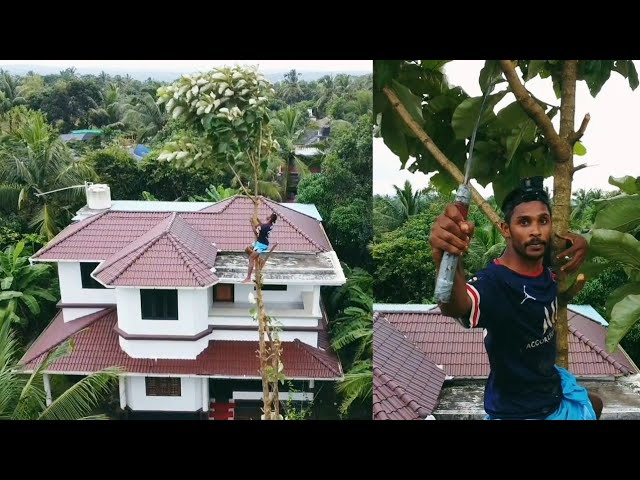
(579, 167)
(440, 157)
(560, 148)
(574, 137)
(240, 182)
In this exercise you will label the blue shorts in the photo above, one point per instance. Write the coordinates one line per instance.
(260, 247)
(575, 404)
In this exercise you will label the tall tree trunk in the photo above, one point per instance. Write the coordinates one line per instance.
(562, 179)
(269, 344)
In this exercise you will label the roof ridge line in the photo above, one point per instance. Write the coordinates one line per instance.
(598, 350)
(99, 315)
(312, 351)
(179, 240)
(289, 221)
(233, 199)
(141, 249)
(52, 244)
(187, 261)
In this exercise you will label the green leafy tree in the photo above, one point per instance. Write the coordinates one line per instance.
(117, 168)
(404, 269)
(614, 243)
(351, 307)
(34, 161)
(342, 193)
(24, 287)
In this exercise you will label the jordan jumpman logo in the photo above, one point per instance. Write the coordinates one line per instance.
(526, 295)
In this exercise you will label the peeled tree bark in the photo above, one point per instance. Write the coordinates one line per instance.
(271, 367)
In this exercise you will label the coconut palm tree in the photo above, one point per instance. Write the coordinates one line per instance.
(357, 385)
(111, 111)
(352, 332)
(287, 130)
(35, 160)
(144, 117)
(290, 89)
(23, 396)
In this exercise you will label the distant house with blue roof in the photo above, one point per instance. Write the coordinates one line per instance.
(140, 151)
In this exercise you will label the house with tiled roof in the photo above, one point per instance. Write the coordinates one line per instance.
(406, 381)
(460, 353)
(155, 288)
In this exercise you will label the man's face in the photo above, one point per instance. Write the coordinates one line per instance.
(529, 229)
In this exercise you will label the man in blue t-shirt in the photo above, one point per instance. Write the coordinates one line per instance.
(514, 300)
(261, 232)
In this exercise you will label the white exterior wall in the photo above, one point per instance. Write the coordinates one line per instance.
(247, 321)
(176, 349)
(72, 313)
(71, 290)
(310, 338)
(192, 314)
(189, 401)
(292, 294)
(189, 350)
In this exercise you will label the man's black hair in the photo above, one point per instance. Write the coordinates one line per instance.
(529, 190)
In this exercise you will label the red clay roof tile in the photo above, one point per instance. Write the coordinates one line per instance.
(461, 351)
(97, 347)
(170, 254)
(406, 383)
(226, 224)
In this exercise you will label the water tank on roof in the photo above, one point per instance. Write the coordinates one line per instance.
(98, 196)
(325, 131)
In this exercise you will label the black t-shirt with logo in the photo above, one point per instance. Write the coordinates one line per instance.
(518, 313)
(264, 232)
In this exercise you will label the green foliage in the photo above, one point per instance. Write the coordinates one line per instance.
(168, 181)
(117, 168)
(67, 104)
(24, 287)
(613, 239)
(350, 308)
(23, 397)
(508, 144)
(404, 269)
(342, 193)
(351, 230)
(293, 413)
(33, 159)
(229, 104)
(597, 289)
(357, 385)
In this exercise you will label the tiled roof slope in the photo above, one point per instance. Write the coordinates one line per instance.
(462, 353)
(97, 347)
(170, 254)
(227, 224)
(406, 382)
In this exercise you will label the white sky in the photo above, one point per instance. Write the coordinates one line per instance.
(610, 138)
(196, 65)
